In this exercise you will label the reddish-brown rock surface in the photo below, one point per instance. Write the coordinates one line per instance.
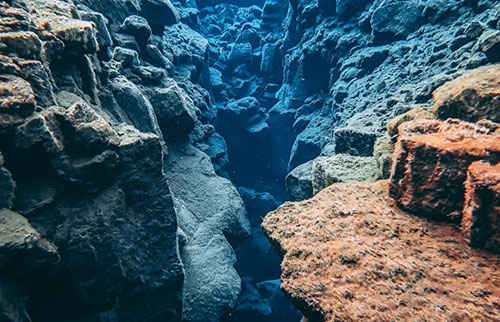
(350, 254)
(481, 215)
(472, 97)
(431, 160)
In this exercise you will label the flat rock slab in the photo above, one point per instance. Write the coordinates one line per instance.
(349, 254)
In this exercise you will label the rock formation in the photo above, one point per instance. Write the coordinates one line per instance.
(143, 141)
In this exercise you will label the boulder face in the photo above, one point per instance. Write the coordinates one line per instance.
(472, 97)
(342, 168)
(350, 253)
(481, 221)
(430, 164)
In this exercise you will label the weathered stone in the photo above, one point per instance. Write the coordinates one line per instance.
(382, 151)
(396, 20)
(24, 44)
(16, 95)
(22, 246)
(430, 164)
(160, 12)
(354, 141)
(471, 97)
(299, 182)
(342, 168)
(413, 114)
(481, 214)
(350, 254)
(174, 109)
(138, 27)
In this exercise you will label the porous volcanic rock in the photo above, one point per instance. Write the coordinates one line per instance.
(472, 97)
(430, 164)
(350, 254)
(481, 214)
(342, 168)
(413, 114)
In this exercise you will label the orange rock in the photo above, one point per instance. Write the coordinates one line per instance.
(481, 215)
(430, 164)
(472, 97)
(350, 254)
(413, 114)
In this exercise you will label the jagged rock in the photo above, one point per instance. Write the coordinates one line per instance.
(472, 97)
(354, 141)
(16, 95)
(480, 221)
(382, 151)
(24, 44)
(342, 168)
(21, 246)
(351, 247)
(489, 42)
(135, 104)
(138, 27)
(413, 114)
(175, 110)
(103, 36)
(185, 45)
(240, 54)
(430, 164)
(299, 182)
(161, 12)
(396, 20)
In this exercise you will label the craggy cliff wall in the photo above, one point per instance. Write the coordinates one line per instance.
(112, 209)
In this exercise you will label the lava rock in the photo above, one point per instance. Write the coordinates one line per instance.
(471, 97)
(430, 164)
(299, 182)
(413, 114)
(396, 20)
(354, 141)
(342, 168)
(382, 151)
(138, 27)
(160, 12)
(481, 222)
(174, 110)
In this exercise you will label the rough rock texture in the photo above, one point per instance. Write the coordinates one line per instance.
(481, 222)
(430, 164)
(382, 151)
(209, 210)
(413, 114)
(342, 168)
(472, 97)
(350, 254)
(93, 108)
(299, 182)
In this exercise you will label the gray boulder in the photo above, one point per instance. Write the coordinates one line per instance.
(174, 110)
(299, 182)
(209, 211)
(342, 168)
(138, 27)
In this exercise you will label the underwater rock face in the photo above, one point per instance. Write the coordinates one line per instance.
(350, 253)
(481, 222)
(430, 164)
(92, 112)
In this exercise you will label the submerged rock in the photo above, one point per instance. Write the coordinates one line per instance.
(430, 164)
(351, 246)
(342, 168)
(472, 97)
(481, 222)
